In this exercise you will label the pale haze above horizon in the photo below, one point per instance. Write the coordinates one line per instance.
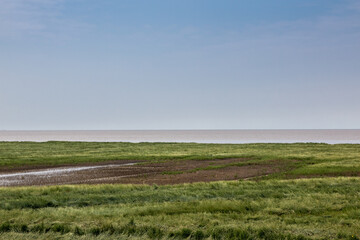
(181, 64)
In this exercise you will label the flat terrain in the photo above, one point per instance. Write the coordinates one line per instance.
(29, 163)
(177, 191)
(166, 172)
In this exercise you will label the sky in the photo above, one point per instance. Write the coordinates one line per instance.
(179, 64)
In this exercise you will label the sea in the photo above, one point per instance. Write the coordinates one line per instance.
(331, 136)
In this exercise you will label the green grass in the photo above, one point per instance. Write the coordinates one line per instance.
(271, 209)
(302, 158)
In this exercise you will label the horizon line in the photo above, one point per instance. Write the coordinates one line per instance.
(219, 129)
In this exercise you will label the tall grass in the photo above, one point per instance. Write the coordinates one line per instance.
(271, 209)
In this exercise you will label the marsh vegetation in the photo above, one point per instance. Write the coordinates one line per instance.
(314, 195)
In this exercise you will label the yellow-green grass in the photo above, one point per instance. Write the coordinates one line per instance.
(302, 158)
(271, 208)
(316, 208)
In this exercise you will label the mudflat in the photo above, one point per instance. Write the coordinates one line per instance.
(138, 172)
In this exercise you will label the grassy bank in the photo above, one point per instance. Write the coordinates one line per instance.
(270, 209)
(304, 159)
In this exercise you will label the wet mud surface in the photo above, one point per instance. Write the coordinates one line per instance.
(137, 172)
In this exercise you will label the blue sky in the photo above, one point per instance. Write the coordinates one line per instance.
(189, 64)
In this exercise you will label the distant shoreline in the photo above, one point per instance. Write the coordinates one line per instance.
(331, 136)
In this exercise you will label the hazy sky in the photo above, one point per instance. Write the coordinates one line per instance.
(179, 64)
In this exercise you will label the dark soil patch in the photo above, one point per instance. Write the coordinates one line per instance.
(168, 172)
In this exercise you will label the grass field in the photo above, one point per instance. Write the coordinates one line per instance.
(311, 158)
(272, 207)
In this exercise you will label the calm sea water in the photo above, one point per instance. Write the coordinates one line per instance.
(200, 136)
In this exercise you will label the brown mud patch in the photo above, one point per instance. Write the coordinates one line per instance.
(167, 172)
